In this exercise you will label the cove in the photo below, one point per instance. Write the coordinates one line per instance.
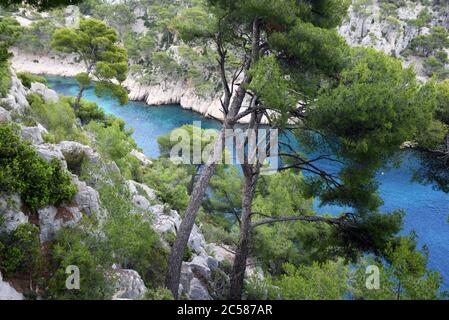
(426, 209)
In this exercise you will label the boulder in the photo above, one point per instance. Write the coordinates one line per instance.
(165, 221)
(199, 266)
(51, 219)
(129, 285)
(185, 279)
(49, 96)
(86, 199)
(76, 152)
(220, 252)
(141, 157)
(196, 241)
(141, 202)
(198, 291)
(10, 210)
(32, 134)
(142, 189)
(16, 99)
(49, 151)
(7, 292)
(5, 115)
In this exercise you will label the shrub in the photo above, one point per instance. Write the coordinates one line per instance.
(58, 118)
(20, 250)
(23, 171)
(158, 294)
(131, 238)
(28, 78)
(89, 111)
(5, 79)
(171, 182)
(74, 246)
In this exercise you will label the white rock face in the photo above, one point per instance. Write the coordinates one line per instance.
(16, 100)
(49, 96)
(129, 285)
(10, 209)
(32, 134)
(49, 151)
(191, 286)
(75, 152)
(86, 199)
(52, 219)
(7, 292)
(5, 115)
(220, 252)
(134, 188)
(141, 157)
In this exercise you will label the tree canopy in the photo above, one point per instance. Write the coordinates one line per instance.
(97, 46)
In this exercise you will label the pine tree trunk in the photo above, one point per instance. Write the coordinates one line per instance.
(77, 103)
(173, 275)
(241, 254)
(196, 198)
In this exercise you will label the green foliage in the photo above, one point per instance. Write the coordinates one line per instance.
(75, 246)
(326, 281)
(58, 118)
(171, 182)
(185, 136)
(5, 79)
(426, 45)
(23, 171)
(37, 37)
(158, 294)
(96, 45)
(28, 78)
(10, 30)
(20, 250)
(131, 238)
(114, 142)
(375, 108)
(41, 4)
(432, 141)
(403, 277)
(424, 17)
(90, 111)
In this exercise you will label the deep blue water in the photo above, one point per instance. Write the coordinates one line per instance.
(426, 210)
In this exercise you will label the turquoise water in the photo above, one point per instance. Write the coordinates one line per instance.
(426, 210)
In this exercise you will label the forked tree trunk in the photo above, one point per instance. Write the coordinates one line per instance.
(172, 278)
(196, 198)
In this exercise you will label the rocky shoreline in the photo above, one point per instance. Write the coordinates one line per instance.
(176, 92)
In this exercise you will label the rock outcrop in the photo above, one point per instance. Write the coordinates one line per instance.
(129, 284)
(11, 211)
(7, 292)
(49, 96)
(16, 101)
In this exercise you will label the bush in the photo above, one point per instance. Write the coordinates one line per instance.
(74, 246)
(23, 171)
(20, 250)
(5, 79)
(89, 111)
(28, 78)
(158, 294)
(131, 238)
(171, 181)
(59, 118)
